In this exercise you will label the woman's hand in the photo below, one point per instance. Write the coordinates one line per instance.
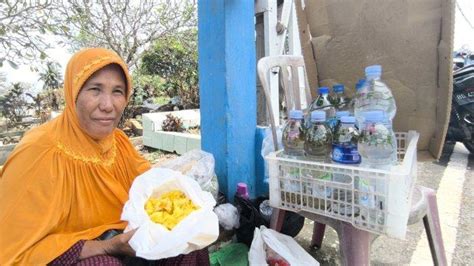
(117, 245)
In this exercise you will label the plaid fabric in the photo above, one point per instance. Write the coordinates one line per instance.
(100, 260)
(71, 256)
(198, 257)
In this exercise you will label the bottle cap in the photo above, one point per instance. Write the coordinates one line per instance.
(374, 116)
(359, 84)
(296, 114)
(338, 88)
(242, 190)
(348, 120)
(318, 116)
(340, 114)
(373, 71)
(323, 90)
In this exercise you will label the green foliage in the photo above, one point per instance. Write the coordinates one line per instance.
(174, 59)
(14, 105)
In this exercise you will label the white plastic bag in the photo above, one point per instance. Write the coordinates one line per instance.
(267, 241)
(228, 216)
(268, 147)
(198, 165)
(153, 241)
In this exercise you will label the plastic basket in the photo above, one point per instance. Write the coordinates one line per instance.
(374, 200)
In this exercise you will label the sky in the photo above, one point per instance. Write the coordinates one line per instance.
(463, 37)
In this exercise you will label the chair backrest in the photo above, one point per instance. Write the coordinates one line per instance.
(290, 67)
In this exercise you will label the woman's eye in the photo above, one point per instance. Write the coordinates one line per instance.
(119, 91)
(95, 89)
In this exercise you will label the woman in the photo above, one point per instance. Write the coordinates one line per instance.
(66, 182)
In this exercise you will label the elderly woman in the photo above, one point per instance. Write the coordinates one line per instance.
(66, 182)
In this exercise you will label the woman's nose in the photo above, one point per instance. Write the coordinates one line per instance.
(106, 103)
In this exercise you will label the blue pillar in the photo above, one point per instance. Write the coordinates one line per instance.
(227, 83)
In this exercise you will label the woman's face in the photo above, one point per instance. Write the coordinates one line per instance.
(101, 101)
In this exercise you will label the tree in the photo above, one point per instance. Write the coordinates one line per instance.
(23, 25)
(174, 59)
(127, 27)
(14, 104)
(51, 96)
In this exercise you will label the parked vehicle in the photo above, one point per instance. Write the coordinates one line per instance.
(461, 124)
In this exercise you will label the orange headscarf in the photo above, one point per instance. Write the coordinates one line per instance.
(60, 186)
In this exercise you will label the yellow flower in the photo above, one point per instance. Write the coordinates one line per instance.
(170, 208)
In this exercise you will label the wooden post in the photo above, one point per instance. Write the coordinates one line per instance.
(227, 83)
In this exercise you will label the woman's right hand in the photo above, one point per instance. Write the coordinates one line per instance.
(117, 245)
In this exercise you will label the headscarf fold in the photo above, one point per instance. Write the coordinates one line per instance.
(59, 185)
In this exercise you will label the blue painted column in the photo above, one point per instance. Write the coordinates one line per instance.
(227, 83)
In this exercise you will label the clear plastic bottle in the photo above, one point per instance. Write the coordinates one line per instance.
(377, 146)
(318, 139)
(340, 100)
(360, 90)
(317, 147)
(376, 95)
(377, 143)
(323, 103)
(293, 136)
(339, 114)
(344, 151)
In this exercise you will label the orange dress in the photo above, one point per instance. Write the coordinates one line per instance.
(59, 185)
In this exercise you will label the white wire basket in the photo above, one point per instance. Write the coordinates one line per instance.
(374, 200)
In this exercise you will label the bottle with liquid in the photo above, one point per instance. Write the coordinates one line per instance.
(344, 151)
(317, 147)
(375, 95)
(293, 136)
(323, 103)
(340, 101)
(378, 148)
(339, 114)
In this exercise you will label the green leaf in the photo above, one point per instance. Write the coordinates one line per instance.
(43, 55)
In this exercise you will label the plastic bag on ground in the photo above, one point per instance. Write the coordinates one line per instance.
(270, 247)
(198, 165)
(228, 216)
(153, 241)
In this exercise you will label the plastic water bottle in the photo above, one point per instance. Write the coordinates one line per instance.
(323, 103)
(378, 148)
(344, 151)
(360, 89)
(376, 95)
(377, 144)
(339, 114)
(293, 136)
(340, 101)
(317, 147)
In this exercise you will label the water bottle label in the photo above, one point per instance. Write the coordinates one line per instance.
(345, 153)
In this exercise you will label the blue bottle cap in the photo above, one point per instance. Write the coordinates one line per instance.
(323, 90)
(373, 71)
(318, 116)
(348, 120)
(296, 114)
(338, 88)
(374, 116)
(340, 114)
(359, 84)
